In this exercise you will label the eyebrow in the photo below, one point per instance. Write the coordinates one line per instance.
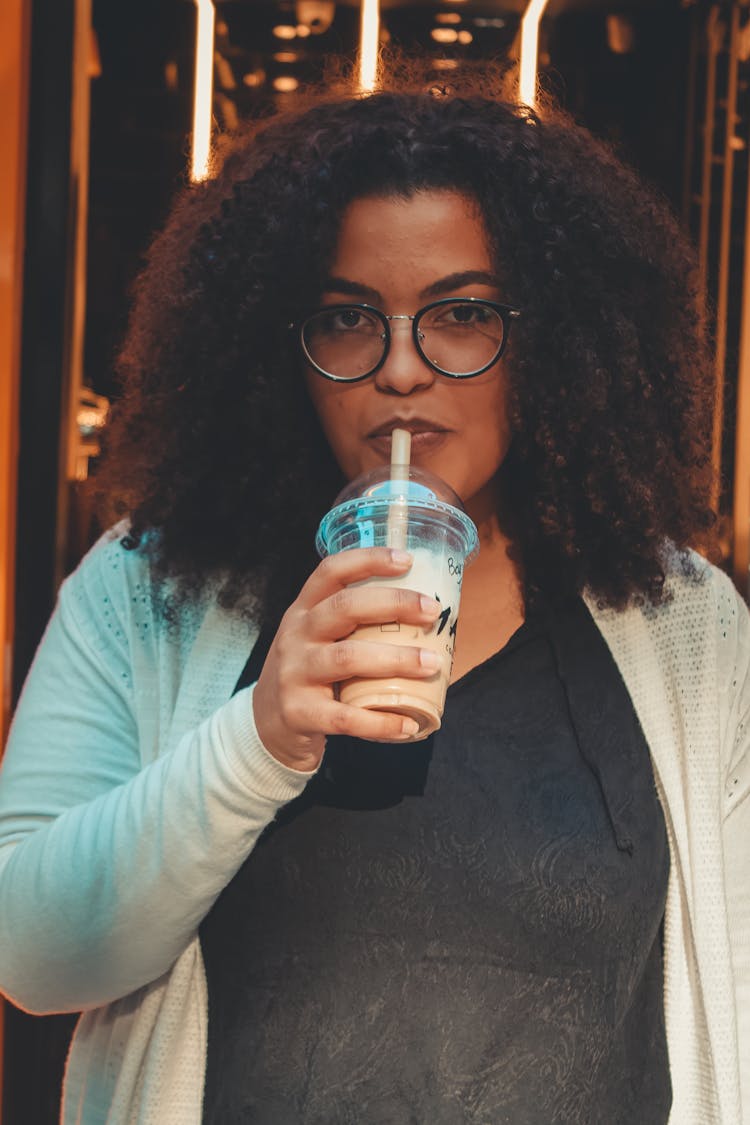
(436, 289)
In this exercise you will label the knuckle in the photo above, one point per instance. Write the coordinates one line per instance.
(282, 646)
(288, 627)
(343, 655)
(400, 656)
(292, 713)
(286, 715)
(404, 599)
(340, 722)
(287, 653)
(341, 602)
(288, 617)
(327, 566)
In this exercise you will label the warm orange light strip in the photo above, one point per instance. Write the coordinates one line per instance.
(204, 87)
(529, 50)
(368, 45)
(741, 512)
(14, 77)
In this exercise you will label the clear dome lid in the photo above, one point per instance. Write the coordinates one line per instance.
(372, 494)
(418, 487)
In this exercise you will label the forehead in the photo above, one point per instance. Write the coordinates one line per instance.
(433, 232)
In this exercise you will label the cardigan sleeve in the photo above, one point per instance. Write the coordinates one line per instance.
(107, 867)
(734, 622)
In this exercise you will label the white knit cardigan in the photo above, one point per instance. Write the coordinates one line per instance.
(134, 787)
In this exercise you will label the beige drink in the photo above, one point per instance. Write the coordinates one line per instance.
(439, 575)
(441, 539)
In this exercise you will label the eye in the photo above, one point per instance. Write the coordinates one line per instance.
(468, 314)
(460, 314)
(346, 320)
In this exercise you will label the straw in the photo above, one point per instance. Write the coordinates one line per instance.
(398, 513)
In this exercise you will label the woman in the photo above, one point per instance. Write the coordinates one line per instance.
(540, 914)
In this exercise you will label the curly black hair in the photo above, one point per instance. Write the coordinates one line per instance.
(214, 445)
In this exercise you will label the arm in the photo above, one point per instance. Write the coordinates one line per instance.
(106, 869)
(737, 830)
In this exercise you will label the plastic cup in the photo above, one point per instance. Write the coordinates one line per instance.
(422, 514)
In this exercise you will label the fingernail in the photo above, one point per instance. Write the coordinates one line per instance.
(429, 605)
(409, 728)
(429, 659)
(401, 558)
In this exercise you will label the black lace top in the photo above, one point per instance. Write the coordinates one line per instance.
(461, 930)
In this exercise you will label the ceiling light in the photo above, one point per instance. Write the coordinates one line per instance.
(171, 74)
(444, 34)
(447, 17)
(465, 37)
(444, 64)
(285, 31)
(286, 56)
(620, 35)
(528, 60)
(203, 90)
(254, 78)
(303, 30)
(369, 37)
(285, 83)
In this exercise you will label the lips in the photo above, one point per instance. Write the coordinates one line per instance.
(413, 425)
(427, 436)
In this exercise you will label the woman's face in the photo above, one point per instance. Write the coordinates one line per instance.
(400, 254)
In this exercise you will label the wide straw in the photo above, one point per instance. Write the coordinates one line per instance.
(398, 512)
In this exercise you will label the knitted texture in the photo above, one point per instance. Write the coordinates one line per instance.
(680, 662)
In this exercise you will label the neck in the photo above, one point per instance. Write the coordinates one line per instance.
(497, 566)
(492, 604)
(491, 514)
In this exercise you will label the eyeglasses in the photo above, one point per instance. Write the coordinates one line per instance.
(456, 336)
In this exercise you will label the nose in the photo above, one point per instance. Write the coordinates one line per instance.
(404, 370)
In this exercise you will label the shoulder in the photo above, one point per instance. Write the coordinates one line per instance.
(701, 602)
(699, 635)
(116, 599)
(107, 581)
(690, 653)
(115, 558)
(691, 577)
(706, 613)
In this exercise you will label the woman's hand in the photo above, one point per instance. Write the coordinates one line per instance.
(294, 701)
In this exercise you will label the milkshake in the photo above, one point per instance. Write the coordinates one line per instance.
(422, 514)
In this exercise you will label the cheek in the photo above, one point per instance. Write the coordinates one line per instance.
(493, 420)
(337, 427)
(335, 408)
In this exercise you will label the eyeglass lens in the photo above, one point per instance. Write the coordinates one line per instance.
(458, 337)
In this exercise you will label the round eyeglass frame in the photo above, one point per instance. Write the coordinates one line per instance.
(507, 314)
